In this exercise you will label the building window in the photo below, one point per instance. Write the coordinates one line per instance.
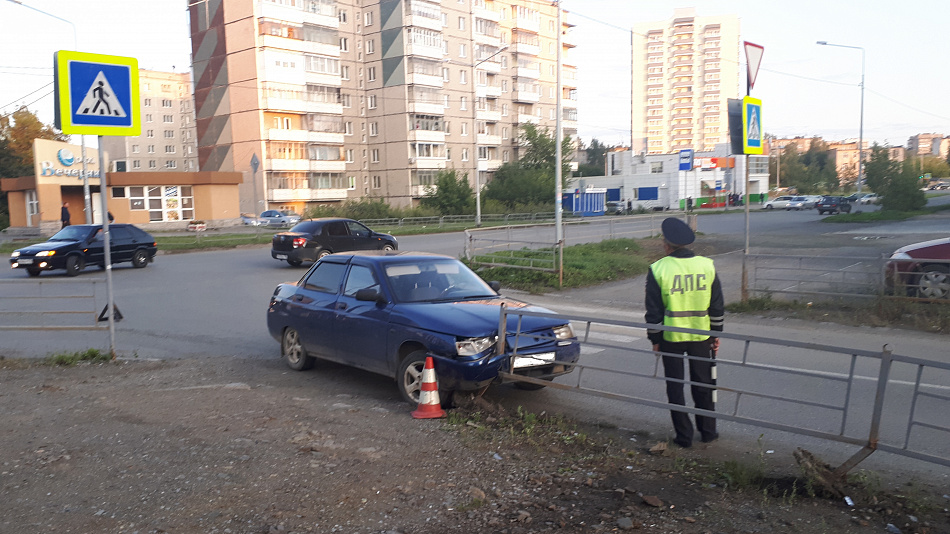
(463, 103)
(346, 101)
(371, 74)
(169, 149)
(152, 164)
(341, 15)
(349, 155)
(151, 149)
(166, 103)
(368, 18)
(464, 154)
(348, 128)
(462, 50)
(148, 117)
(461, 23)
(135, 149)
(463, 76)
(504, 110)
(373, 129)
(136, 164)
(464, 128)
(371, 101)
(504, 156)
(504, 132)
(171, 164)
(376, 182)
(374, 155)
(370, 46)
(169, 134)
(147, 103)
(656, 167)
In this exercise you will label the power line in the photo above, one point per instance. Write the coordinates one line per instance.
(908, 106)
(28, 94)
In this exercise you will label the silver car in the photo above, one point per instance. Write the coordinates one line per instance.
(279, 219)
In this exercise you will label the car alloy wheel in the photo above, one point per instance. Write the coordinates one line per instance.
(388, 248)
(934, 282)
(140, 259)
(409, 376)
(291, 348)
(73, 265)
(323, 253)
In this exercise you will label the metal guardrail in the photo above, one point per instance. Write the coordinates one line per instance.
(873, 399)
(53, 304)
(850, 276)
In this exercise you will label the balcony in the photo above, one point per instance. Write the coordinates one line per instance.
(488, 140)
(488, 115)
(482, 12)
(423, 15)
(524, 118)
(486, 165)
(421, 50)
(427, 163)
(528, 72)
(527, 49)
(325, 138)
(419, 191)
(492, 65)
(291, 195)
(683, 83)
(487, 91)
(426, 136)
(423, 79)
(427, 108)
(298, 45)
(528, 24)
(299, 165)
(273, 103)
(486, 39)
(332, 80)
(327, 166)
(278, 12)
(526, 96)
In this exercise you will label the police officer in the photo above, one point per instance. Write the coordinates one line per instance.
(684, 291)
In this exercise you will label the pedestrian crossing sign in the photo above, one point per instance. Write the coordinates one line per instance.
(96, 94)
(752, 126)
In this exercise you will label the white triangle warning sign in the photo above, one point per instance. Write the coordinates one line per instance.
(100, 99)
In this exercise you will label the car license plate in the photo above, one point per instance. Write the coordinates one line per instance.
(544, 358)
(25, 261)
(281, 256)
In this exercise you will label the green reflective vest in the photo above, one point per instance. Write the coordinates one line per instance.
(686, 286)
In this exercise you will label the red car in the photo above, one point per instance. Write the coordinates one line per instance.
(923, 268)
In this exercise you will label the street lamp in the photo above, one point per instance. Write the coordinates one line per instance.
(82, 138)
(478, 185)
(861, 127)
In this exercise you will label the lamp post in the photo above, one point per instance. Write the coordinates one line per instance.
(82, 138)
(861, 127)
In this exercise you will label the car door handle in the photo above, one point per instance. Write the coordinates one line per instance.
(297, 298)
(341, 305)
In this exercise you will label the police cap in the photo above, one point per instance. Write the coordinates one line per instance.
(676, 232)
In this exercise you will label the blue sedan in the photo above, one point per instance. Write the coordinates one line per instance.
(386, 311)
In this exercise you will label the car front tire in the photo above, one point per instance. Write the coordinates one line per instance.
(934, 282)
(768, 206)
(32, 271)
(73, 265)
(388, 248)
(140, 259)
(293, 352)
(409, 380)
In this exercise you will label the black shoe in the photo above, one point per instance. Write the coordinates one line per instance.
(683, 443)
(710, 439)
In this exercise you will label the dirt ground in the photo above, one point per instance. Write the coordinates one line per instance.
(247, 446)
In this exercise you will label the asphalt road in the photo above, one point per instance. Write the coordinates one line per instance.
(213, 304)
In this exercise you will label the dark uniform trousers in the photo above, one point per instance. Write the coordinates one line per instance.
(701, 371)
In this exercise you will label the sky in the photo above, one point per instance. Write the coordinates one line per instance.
(806, 89)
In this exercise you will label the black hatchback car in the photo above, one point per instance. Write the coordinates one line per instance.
(75, 247)
(313, 239)
(833, 205)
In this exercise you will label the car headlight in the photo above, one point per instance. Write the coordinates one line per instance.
(563, 332)
(45, 253)
(16, 254)
(475, 345)
(900, 256)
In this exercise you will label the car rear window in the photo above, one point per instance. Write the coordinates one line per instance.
(309, 227)
(325, 277)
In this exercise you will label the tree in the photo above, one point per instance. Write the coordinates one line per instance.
(898, 184)
(879, 168)
(17, 132)
(515, 185)
(937, 167)
(540, 151)
(451, 194)
(596, 159)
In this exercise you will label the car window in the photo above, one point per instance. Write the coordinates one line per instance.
(357, 229)
(325, 277)
(121, 233)
(308, 227)
(336, 228)
(360, 277)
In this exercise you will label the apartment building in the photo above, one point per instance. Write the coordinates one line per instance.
(846, 155)
(929, 144)
(168, 141)
(323, 101)
(684, 71)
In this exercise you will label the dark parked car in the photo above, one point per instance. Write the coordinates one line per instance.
(615, 207)
(75, 247)
(278, 219)
(833, 205)
(313, 239)
(922, 268)
(386, 312)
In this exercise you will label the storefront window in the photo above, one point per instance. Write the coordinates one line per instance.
(164, 203)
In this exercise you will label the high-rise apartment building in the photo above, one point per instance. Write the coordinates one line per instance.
(168, 141)
(338, 100)
(684, 71)
(929, 144)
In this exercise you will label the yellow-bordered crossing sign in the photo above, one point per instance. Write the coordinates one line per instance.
(96, 94)
(752, 125)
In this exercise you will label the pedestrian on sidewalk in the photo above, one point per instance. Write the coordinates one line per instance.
(683, 290)
(64, 214)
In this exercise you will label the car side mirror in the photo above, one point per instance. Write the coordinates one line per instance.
(370, 295)
(495, 284)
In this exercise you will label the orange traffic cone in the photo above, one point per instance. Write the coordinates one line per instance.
(430, 407)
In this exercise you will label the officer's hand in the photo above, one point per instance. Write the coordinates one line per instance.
(714, 344)
(656, 347)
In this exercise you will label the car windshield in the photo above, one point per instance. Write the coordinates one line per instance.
(71, 233)
(430, 281)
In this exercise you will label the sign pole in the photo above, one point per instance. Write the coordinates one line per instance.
(107, 240)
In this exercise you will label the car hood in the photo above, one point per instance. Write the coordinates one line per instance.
(470, 318)
(48, 245)
(920, 250)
